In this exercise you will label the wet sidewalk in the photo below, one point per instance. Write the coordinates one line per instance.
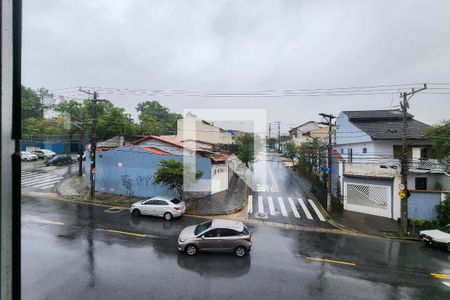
(222, 203)
(353, 221)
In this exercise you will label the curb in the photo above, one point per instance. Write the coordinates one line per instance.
(340, 226)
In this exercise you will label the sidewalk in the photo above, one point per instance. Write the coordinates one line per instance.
(74, 188)
(222, 203)
(353, 221)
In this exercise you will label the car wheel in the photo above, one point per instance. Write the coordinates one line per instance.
(167, 216)
(240, 251)
(136, 213)
(191, 250)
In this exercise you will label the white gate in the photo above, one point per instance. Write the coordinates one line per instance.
(370, 199)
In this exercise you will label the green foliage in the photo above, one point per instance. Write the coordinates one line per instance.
(425, 224)
(290, 150)
(171, 174)
(245, 148)
(438, 186)
(440, 137)
(31, 104)
(444, 211)
(271, 142)
(38, 127)
(111, 120)
(157, 119)
(309, 154)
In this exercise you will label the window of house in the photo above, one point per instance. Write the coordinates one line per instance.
(350, 154)
(423, 153)
(421, 183)
(365, 150)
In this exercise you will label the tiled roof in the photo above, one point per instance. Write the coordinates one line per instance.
(155, 150)
(386, 124)
(170, 142)
(376, 114)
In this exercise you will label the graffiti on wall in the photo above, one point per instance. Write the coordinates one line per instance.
(143, 180)
(127, 183)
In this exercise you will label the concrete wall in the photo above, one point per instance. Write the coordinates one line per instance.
(219, 175)
(130, 170)
(422, 205)
(191, 128)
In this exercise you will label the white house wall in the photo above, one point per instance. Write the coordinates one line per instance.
(347, 133)
(219, 175)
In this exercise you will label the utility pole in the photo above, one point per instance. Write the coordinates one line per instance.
(328, 118)
(404, 193)
(93, 140)
(270, 131)
(279, 137)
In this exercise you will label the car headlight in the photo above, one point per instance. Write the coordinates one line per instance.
(182, 240)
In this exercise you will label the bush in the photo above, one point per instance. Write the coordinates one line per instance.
(444, 211)
(425, 224)
(438, 186)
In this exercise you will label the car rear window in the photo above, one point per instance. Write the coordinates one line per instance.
(245, 231)
(175, 201)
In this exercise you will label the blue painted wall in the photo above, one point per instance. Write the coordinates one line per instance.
(55, 146)
(135, 177)
(422, 205)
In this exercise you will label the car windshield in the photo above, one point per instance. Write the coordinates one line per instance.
(202, 227)
(175, 201)
(245, 230)
(446, 229)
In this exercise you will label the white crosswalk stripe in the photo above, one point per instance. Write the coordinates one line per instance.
(271, 206)
(305, 209)
(294, 209)
(250, 204)
(321, 218)
(39, 179)
(260, 205)
(282, 207)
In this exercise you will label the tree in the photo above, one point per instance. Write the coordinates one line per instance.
(290, 150)
(111, 120)
(171, 174)
(156, 119)
(444, 211)
(245, 148)
(440, 137)
(310, 153)
(271, 142)
(31, 104)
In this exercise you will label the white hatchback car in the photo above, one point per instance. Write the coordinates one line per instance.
(160, 206)
(438, 237)
(28, 156)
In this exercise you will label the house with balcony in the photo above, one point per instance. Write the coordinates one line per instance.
(366, 162)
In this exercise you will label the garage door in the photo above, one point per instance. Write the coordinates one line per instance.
(373, 199)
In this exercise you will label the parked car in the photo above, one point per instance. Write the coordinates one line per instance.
(216, 236)
(43, 153)
(167, 207)
(437, 237)
(27, 156)
(60, 159)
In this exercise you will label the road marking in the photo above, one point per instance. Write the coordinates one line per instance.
(41, 180)
(36, 178)
(126, 233)
(283, 208)
(275, 184)
(271, 207)
(331, 261)
(447, 283)
(250, 204)
(47, 222)
(440, 276)
(47, 186)
(54, 181)
(31, 175)
(294, 209)
(321, 218)
(260, 205)
(305, 209)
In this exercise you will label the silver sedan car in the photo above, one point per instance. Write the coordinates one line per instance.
(216, 236)
(167, 207)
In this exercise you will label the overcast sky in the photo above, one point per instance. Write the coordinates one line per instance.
(242, 45)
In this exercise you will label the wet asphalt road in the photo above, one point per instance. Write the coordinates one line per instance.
(278, 197)
(70, 252)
